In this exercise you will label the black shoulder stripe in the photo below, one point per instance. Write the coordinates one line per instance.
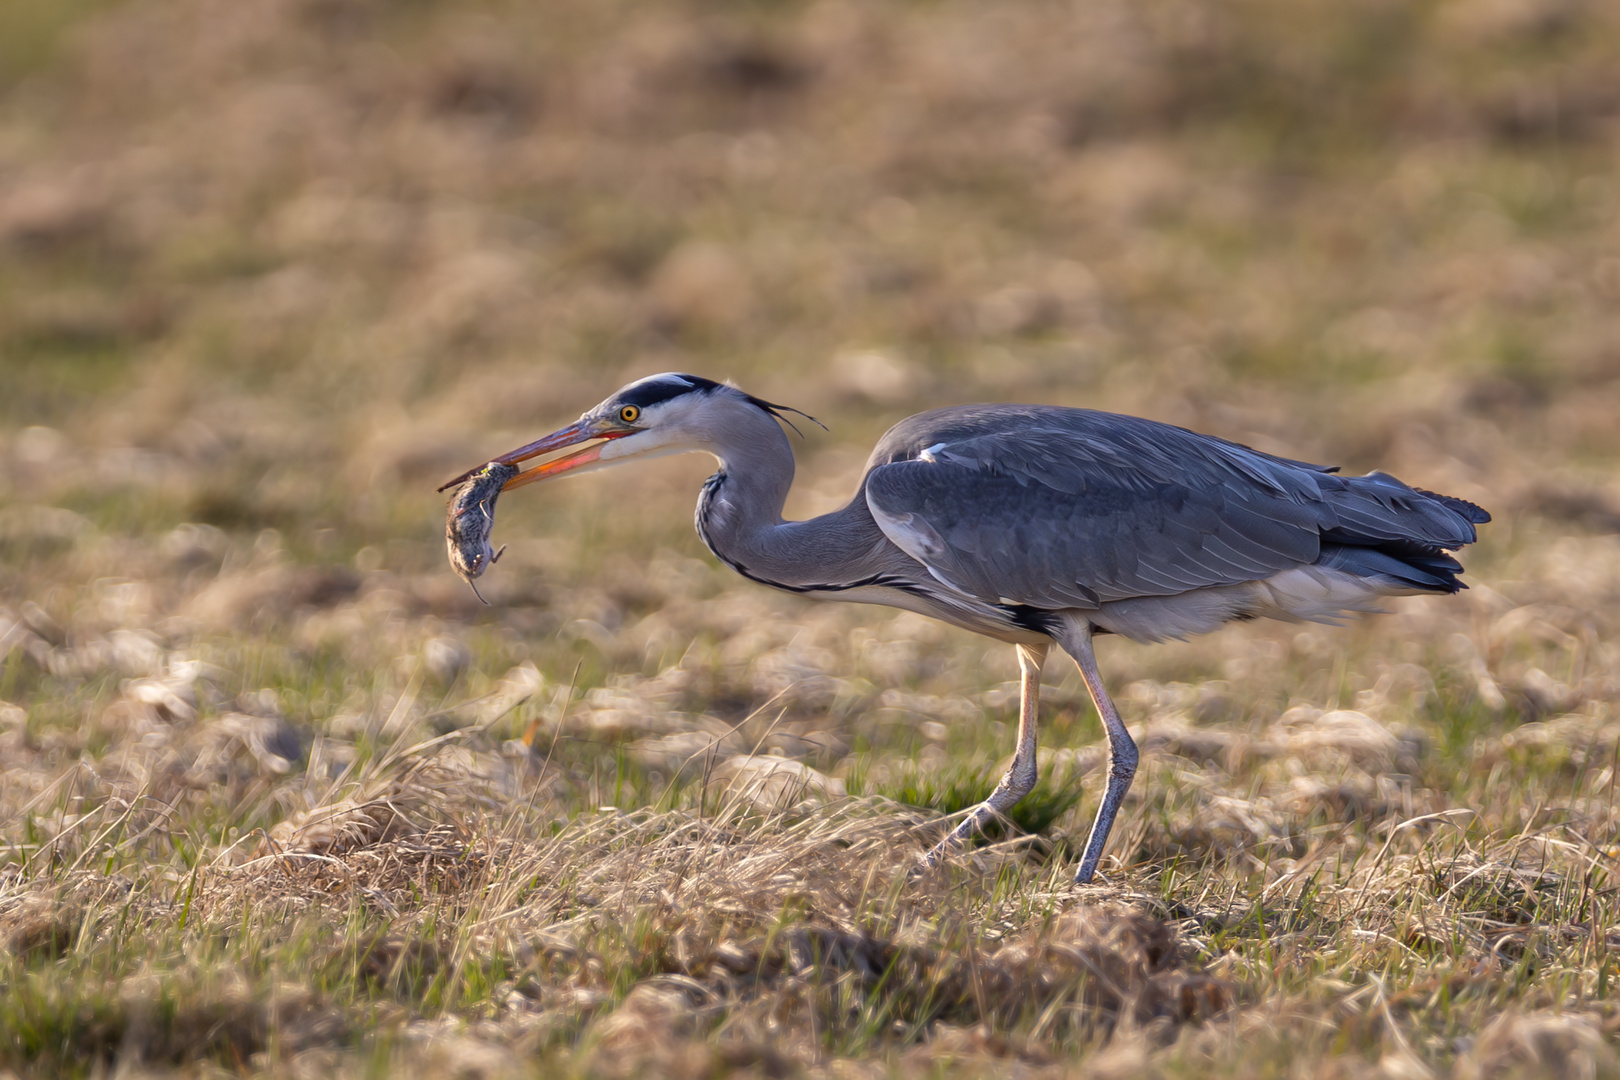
(1036, 619)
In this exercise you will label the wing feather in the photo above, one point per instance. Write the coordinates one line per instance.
(1072, 508)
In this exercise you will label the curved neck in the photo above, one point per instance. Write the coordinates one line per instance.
(739, 516)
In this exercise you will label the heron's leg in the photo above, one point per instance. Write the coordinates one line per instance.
(1122, 755)
(1020, 776)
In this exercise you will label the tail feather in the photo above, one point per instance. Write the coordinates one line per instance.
(1376, 508)
(1388, 530)
(1476, 514)
(1433, 573)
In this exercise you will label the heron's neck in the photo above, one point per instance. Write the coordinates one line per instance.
(739, 515)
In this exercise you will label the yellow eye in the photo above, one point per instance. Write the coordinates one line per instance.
(629, 414)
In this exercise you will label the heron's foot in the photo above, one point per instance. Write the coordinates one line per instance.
(937, 854)
(956, 839)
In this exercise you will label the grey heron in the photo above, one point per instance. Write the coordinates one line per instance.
(1035, 525)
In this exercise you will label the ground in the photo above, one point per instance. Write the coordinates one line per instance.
(279, 796)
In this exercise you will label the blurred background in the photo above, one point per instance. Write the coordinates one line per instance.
(271, 272)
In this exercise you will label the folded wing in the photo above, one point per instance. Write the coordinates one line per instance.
(1069, 508)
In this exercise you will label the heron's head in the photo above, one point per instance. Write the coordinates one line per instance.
(658, 415)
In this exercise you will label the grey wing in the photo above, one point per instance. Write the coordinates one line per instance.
(1070, 508)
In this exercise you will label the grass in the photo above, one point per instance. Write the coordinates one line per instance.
(954, 789)
(279, 797)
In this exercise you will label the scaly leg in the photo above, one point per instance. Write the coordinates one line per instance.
(1020, 775)
(1122, 755)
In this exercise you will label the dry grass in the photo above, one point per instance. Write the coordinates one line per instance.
(279, 796)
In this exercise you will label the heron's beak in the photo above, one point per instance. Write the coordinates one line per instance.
(572, 435)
